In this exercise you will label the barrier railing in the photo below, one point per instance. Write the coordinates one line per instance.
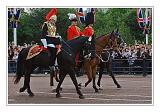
(130, 66)
(119, 66)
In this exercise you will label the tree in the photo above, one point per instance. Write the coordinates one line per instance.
(106, 20)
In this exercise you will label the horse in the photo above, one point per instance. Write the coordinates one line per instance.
(106, 61)
(91, 64)
(67, 63)
(26, 67)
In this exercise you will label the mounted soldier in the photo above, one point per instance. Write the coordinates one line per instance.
(89, 31)
(87, 19)
(50, 40)
(73, 30)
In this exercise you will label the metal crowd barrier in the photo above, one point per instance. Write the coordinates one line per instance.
(130, 66)
(11, 66)
(119, 66)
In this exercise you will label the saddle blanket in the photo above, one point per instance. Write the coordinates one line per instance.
(34, 51)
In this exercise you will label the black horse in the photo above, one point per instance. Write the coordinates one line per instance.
(106, 61)
(66, 62)
(26, 67)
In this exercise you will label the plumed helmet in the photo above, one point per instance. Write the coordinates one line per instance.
(72, 17)
(52, 15)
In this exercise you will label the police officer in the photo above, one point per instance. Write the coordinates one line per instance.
(50, 40)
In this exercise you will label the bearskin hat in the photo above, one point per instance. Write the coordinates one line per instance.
(89, 19)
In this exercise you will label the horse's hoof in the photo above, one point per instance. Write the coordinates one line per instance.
(31, 95)
(98, 84)
(80, 84)
(96, 91)
(119, 86)
(81, 97)
(58, 96)
(54, 90)
(21, 90)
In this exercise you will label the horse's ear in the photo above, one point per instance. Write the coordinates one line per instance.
(112, 32)
(117, 30)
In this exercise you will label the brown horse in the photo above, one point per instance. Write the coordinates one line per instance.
(110, 40)
(91, 64)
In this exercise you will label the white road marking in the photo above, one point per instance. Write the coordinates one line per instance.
(11, 100)
(106, 99)
(145, 96)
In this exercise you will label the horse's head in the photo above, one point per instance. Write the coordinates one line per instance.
(120, 41)
(115, 39)
(111, 40)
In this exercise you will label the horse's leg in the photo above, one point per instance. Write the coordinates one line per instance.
(24, 85)
(61, 78)
(74, 80)
(51, 79)
(94, 78)
(28, 86)
(101, 69)
(56, 74)
(88, 70)
(109, 66)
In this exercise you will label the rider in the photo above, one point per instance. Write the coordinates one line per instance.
(89, 32)
(73, 30)
(50, 40)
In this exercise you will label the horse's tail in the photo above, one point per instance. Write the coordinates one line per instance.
(19, 69)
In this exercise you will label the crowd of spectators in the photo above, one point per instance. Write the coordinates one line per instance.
(139, 51)
(128, 55)
(14, 50)
(139, 57)
(134, 52)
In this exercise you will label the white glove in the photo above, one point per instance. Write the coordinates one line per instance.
(44, 42)
(51, 45)
(90, 38)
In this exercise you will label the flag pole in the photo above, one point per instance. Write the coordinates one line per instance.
(14, 30)
(146, 23)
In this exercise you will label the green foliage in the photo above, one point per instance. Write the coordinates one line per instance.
(123, 18)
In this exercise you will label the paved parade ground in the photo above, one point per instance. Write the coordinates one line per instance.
(135, 90)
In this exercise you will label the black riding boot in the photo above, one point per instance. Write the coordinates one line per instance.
(93, 50)
(52, 58)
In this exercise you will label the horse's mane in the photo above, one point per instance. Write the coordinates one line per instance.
(101, 36)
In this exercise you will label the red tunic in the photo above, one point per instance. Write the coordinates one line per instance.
(88, 31)
(73, 32)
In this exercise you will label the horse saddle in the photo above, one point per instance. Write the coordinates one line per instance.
(34, 51)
